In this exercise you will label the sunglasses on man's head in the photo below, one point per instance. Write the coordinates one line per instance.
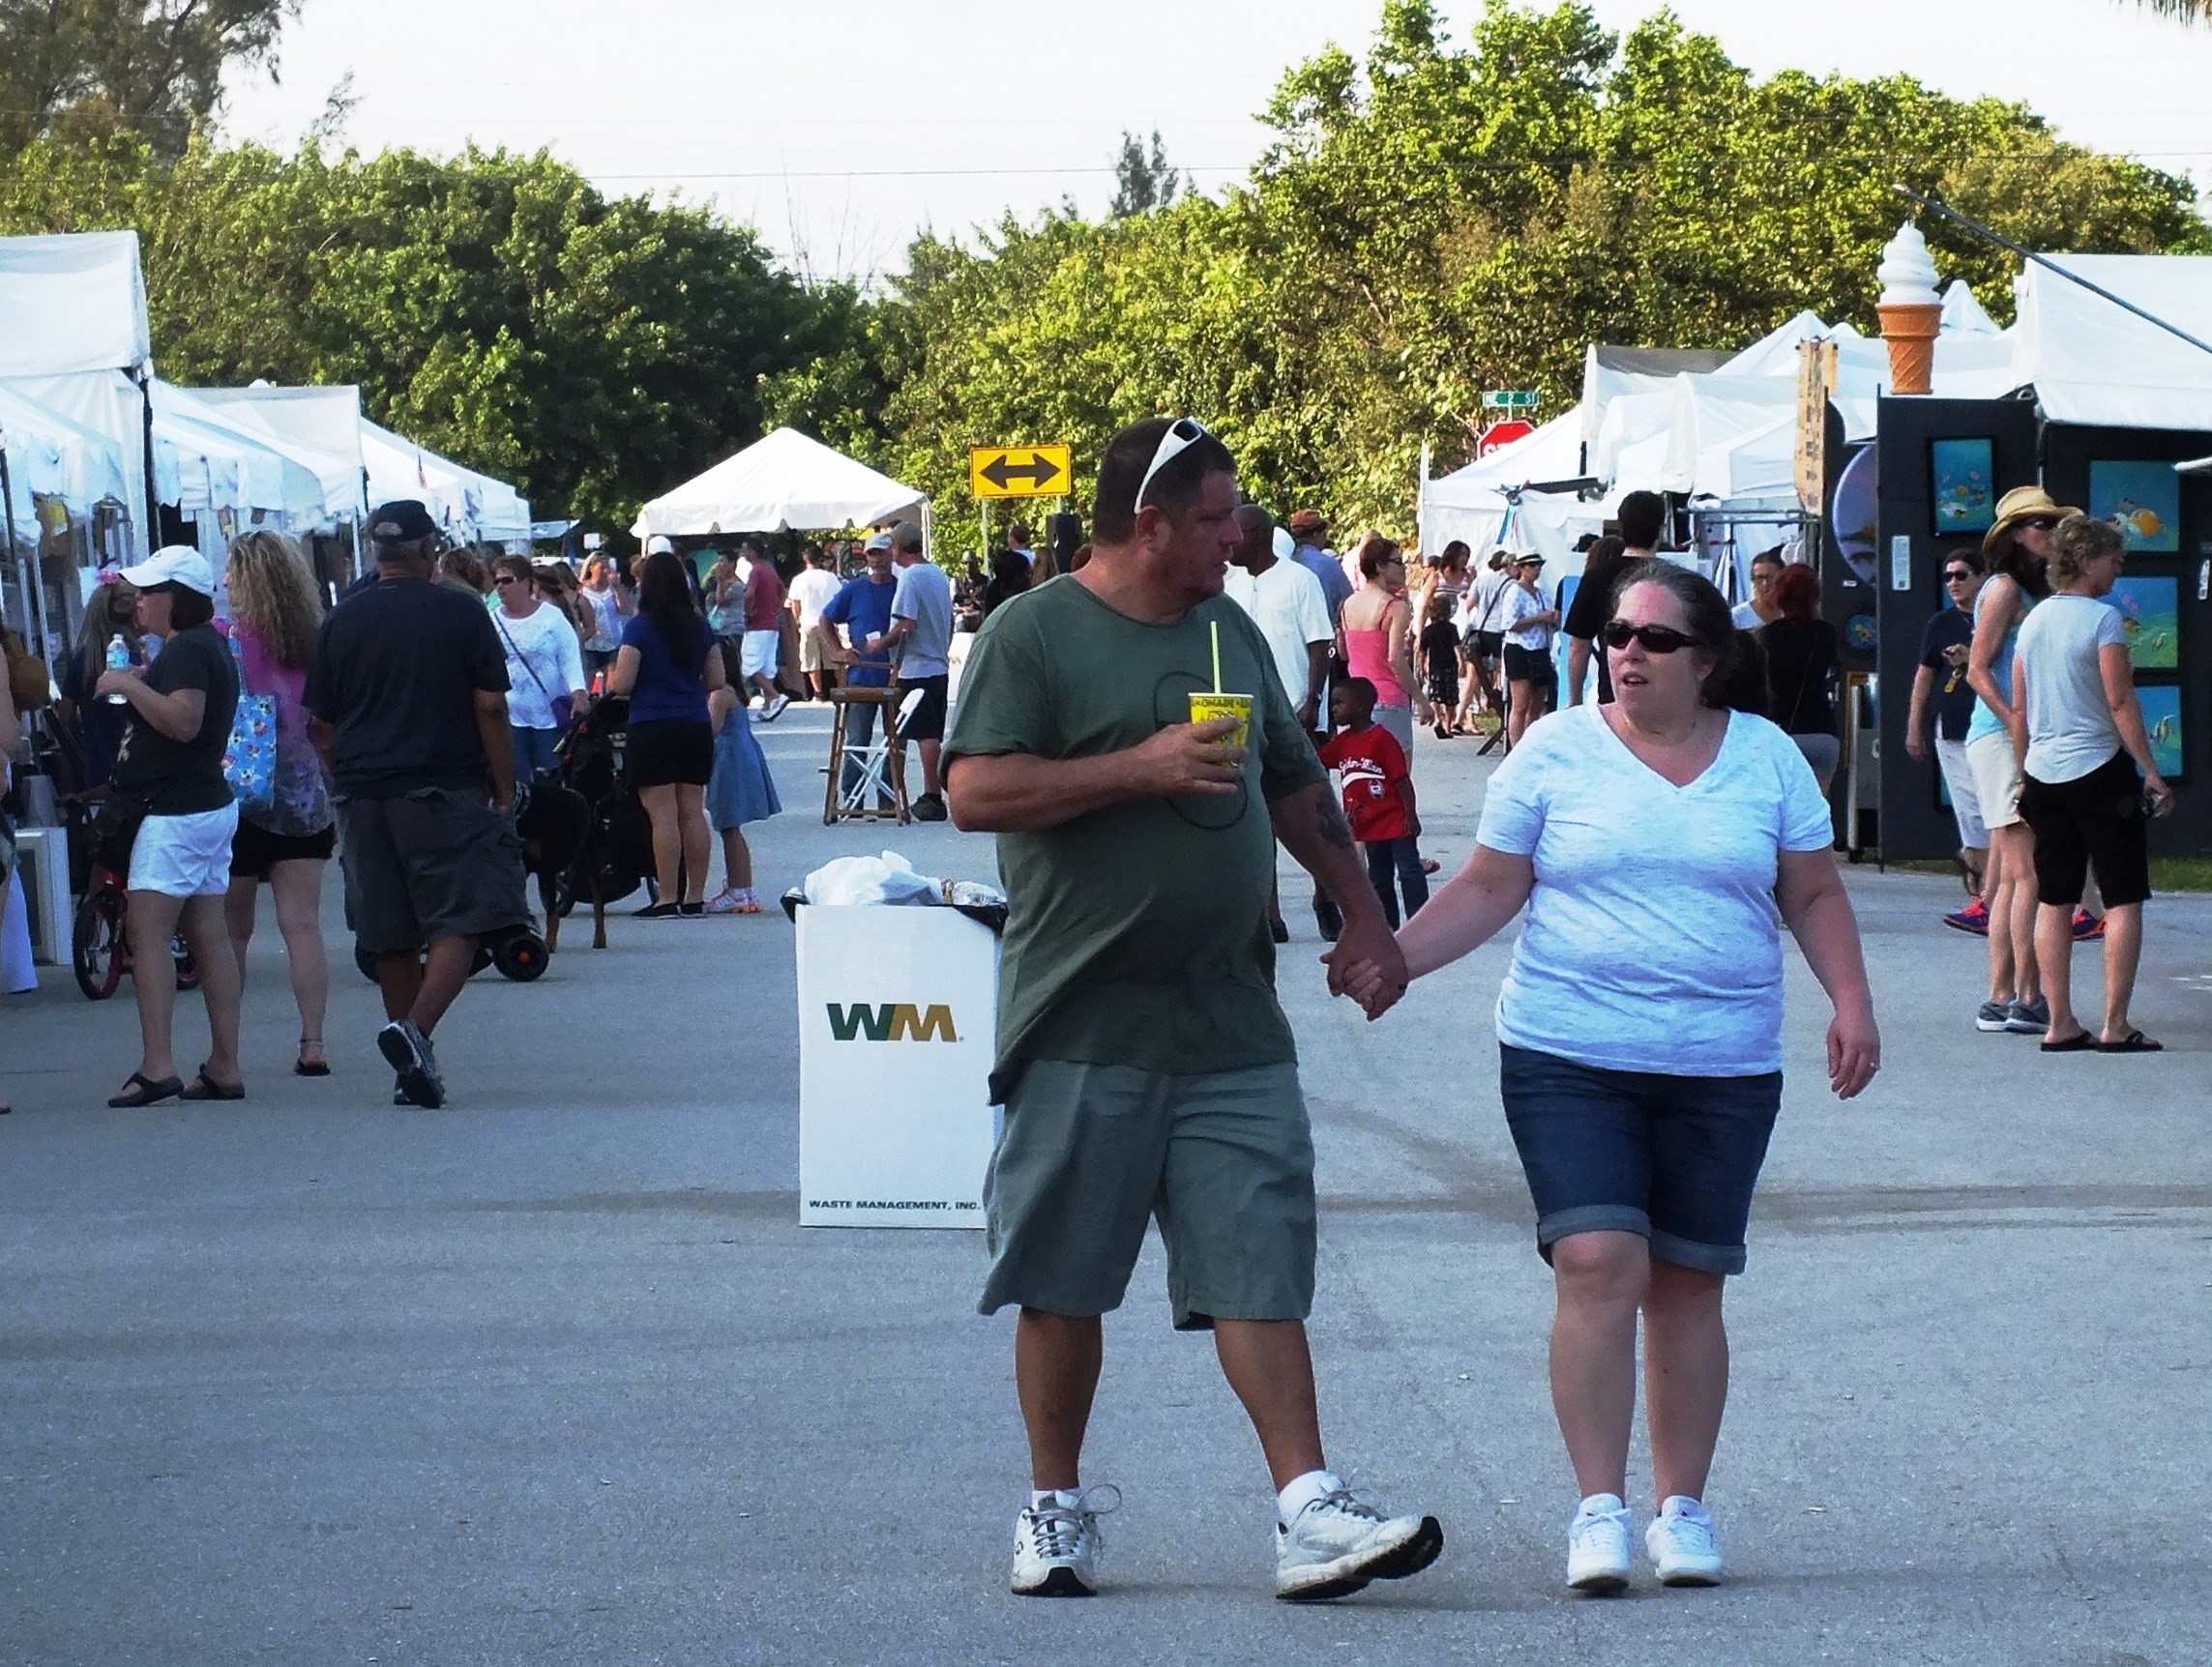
(1956, 576)
(1181, 434)
(506, 579)
(1617, 635)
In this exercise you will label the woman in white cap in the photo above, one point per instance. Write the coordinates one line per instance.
(170, 762)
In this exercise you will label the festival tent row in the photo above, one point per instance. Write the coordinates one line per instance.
(91, 440)
(1717, 430)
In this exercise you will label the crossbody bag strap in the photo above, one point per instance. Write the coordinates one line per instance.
(523, 658)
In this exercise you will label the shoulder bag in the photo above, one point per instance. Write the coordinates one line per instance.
(250, 761)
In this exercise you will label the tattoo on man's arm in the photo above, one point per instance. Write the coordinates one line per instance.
(1333, 828)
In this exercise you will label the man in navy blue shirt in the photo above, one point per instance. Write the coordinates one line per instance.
(863, 606)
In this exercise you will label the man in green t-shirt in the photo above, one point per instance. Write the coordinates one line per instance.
(1144, 1065)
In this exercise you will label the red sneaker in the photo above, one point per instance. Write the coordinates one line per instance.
(2087, 928)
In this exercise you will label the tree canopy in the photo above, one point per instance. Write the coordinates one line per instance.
(1430, 219)
(494, 306)
(153, 67)
(1435, 219)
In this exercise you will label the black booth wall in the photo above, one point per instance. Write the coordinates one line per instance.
(1914, 821)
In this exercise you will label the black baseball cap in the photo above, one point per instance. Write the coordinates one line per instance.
(401, 521)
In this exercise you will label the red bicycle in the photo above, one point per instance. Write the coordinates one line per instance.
(99, 946)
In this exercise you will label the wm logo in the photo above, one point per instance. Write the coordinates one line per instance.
(891, 1021)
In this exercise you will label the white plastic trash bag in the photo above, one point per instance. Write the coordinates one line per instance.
(886, 879)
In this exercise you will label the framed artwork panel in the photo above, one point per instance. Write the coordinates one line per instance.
(1962, 476)
(2143, 500)
(2162, 718)
(2151, 604)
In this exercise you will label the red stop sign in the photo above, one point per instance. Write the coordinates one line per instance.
(1504, 433)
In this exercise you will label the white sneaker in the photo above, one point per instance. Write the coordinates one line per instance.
(1056, 1546)
(1685, 1547)
(1339, 1542)
(1597, 1544)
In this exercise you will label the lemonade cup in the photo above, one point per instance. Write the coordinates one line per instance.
(1206, 705)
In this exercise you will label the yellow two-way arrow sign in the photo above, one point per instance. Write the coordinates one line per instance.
(1020, 471)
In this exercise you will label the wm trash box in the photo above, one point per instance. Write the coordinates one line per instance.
(898, 1011)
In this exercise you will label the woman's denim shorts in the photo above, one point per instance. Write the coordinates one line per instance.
(1673, 1158)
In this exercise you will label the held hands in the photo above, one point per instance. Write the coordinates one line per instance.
(1366, 965)
(1854, 1053)
(1189, 758)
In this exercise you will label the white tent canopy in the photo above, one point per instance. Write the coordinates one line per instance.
(206, 460)
(110, 405)
(50, 457)
(319, 427)
(785, 480)
(1477, 504)
(73, 302)
(2096, 363)
(466, 504)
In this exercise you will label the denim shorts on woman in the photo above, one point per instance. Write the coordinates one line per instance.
(1671, 1158)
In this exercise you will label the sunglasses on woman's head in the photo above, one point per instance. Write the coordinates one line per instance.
(2042, 522)
(1617, 635)
(506, 579)
(1956, 576)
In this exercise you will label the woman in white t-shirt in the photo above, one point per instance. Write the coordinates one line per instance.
(1528, 622)
(545, 666)
(1660, 843)
(2079, 732)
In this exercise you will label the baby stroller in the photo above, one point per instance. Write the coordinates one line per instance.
(615, 855)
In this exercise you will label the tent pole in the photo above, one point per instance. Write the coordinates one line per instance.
(24, 578)
(153, 528)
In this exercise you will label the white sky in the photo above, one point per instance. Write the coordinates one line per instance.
(839, 127)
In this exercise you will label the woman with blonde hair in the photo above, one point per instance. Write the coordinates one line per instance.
(275, 610)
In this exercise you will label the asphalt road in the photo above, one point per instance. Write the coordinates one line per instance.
(552, 1375)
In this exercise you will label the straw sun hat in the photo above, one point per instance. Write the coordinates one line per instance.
(2022, 503)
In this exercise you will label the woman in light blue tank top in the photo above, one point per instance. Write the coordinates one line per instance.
(2017, 550)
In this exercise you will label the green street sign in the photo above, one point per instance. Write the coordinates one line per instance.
(1510, 399)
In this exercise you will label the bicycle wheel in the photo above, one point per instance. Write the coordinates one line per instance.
(96, 945)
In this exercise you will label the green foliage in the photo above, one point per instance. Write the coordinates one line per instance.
(494, 306)
(1437, 220)
(92, 68)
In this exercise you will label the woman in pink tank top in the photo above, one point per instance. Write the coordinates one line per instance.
(1375, 643)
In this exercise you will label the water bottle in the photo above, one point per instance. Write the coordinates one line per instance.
(118, 659)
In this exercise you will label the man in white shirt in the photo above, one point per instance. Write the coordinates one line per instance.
(811, 592)
(1285, 599)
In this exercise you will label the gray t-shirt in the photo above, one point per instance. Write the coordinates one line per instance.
(2069, 727)
(925, 596)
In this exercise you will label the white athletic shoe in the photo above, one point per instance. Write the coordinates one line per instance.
(1685, 1547)
(1340, 1542)
(1056, 1546)
(1597, 1544)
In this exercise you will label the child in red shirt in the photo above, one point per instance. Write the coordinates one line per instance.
(1378, 796)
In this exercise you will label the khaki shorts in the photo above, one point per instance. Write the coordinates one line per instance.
(1090, 1153)
(813, 657)
(1996, 778)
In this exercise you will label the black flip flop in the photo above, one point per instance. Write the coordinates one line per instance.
(150, 1092)
(2082, 1042)
(2134, 1041)
(205, 1087)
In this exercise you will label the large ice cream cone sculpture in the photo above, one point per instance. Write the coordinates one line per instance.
(1911, 311)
